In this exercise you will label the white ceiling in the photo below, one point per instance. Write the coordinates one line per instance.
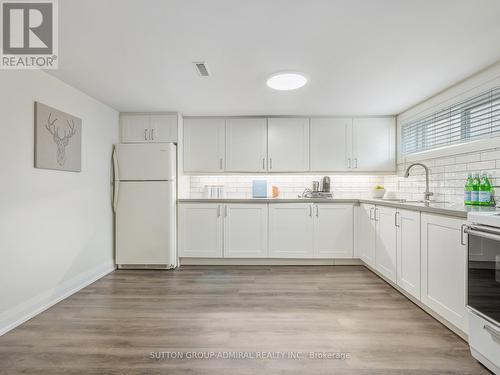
(362, 57)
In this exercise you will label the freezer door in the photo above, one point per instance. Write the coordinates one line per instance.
(145, 162)
(145, 224)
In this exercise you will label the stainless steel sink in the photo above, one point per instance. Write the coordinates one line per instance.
(397, 200)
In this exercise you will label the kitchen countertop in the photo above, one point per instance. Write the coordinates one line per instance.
(449, 209)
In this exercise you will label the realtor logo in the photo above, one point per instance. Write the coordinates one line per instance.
(29, 34)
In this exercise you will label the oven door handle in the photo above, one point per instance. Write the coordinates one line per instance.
(473, 232)
(492, 331)
(484, 228)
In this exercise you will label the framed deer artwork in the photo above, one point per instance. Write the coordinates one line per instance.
(58, 139)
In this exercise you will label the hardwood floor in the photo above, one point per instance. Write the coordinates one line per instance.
(112, 326)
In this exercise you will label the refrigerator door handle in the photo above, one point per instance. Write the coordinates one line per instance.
(116, 181)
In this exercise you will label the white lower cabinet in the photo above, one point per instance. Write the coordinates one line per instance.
(385, 241)
(444, 267)
(291, 230)
(366, 233)
(245, 230)
(304, 230)
(408, 251)
(333, 230)
(200, 230)
(260, 230)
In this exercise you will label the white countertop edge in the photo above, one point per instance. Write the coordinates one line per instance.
(447, 209)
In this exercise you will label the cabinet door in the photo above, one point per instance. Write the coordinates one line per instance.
(134, 128)
(333, 230)
(290, 230)
(385, 243)
(144, 228)
(366, 234)
(246, 145)
(288, 144)
(443, 286)
(408, 255)
(204, 145)
(330, 145)
(163, 128)
(374, 144)
(200, 230)
(245, 230)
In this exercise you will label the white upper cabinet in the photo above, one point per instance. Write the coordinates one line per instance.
(333, 230)
(245, 230)
(331, 143)
(374, 144)
(278, 144)
(290, 230)
(163, 128)
(385, 244)
(246, 145)
(148, 128)
(408, 239)
(288, 142)
(134, 128)
(204, 144)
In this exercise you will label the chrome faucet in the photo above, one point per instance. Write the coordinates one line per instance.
(427, 193)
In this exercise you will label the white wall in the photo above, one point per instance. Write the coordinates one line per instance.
(56, 228)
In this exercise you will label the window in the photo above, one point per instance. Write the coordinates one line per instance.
(475, 118)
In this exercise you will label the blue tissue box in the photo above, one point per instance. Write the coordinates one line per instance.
(259, 188)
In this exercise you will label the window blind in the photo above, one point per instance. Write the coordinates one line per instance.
(474, 118)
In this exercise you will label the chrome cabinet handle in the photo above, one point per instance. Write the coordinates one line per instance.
(145, 134)
(310, 211)
(270, 163)
(355, 162)
(225, 211)
(376, 210)
(116, 181)
(153, 134)
(317, 211)
(463, 231)
(348, 162)
(492, 331)
(263, 163)
(396, 217)
(220, 163)
(218, 210)
(371, 213)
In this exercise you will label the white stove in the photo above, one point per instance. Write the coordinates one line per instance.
(490, 218)
(483, 287)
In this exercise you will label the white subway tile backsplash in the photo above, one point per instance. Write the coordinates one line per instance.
(467, 158)
(481, 165)
(447, 176)
(490, 155)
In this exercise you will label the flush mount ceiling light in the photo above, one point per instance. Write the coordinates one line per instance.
(286, 81)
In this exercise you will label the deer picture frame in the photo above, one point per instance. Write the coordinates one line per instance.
(58, 139)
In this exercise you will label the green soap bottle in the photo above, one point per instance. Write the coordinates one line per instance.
(475, 189)
(484, 191)
(468, 190)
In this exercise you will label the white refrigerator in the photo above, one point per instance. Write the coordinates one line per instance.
(144, 202)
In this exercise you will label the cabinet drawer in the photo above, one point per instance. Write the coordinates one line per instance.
(484, 340)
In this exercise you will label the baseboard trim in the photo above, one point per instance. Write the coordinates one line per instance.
(424, 307)
(267, 262)
(23, 312)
